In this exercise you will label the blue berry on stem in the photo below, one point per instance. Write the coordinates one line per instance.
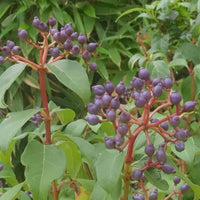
(144, 74)
(156, 81)
(153, 195)
(176, 180)
(98, 90)
(16, 50)
(81, 38)
(122, 129)
(120, 88)
(137, 175)
(92, 108)
(109, 142)
(10, 44)
(137, 83)
(179, 146)
(175, 98)
(55, 52)
(109, 87)
(106, 98)
(189, 106)
(110, 115)
(5, 50)
(164, 125)
(119, 140)
(115, 103)
(124, 117)
(36, 22)
(149, 150)
(2, 60)
(161, 156)
(185, 188)
(92, 119)
(67, 45)
(167, 83)
(52, 21)
(75, 49)
(174, 120)
(138, 196)
(140, 102)
(157, 90)
(168, 169)
(93, 66)
(86, 55)
(91, 47)
(43, 27)
(182, 134)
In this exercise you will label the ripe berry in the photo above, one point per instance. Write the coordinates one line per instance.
(81, 38)
(122, 129)
(115, 103)
(10, 44)
(146, 94)
(36, 22)
(137, 175)
(164, 125)
(140, 102)
(75, 49)
(106, 98)
(92, 108)
(124, 117)
(119, 140)
(137, 83)
(92, 119)
(109, 142)
(179, 146)
(176, 180)
(16, 50)
(136, 94)
(110, 115)
(168, 169)
(167, 83)
(189, 106)
(53, 31)
(43, 27)
(63, 35)
(174, 120)
(138, 196)
(175, 98)
(69, 30)
(55, 52)
(120, 88)
(93, 66)
(36, 119)
(161, 156)
(182, 134)
(52, 21)
(185, 188)
(98, 90)
(153, 195)
(5, 50)
(22, 33)
(67, 45)
(74, 35)
(92, 47)
(149, 150)
(157, 90)
(109, 87)
(156, 81)
(154, 120)
(98, 101)
(57, 36)
(2, 60)
(86, 55)
(144, 74)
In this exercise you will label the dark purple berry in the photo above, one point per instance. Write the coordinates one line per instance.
(36, 22)
(136, 94)
(98, 90)
(86, 55)
(153, 195)
(115, 103)
(67, 45)
(161, 156)
(179, 146)
(137, 83)
(124, 117)
(16, 50)
(98, 101)
(92, 47)
(146, 94)
(138, 196)
(144, 74)
(63, 36)
(164, 125)
(68, 29)
(175, 120)
(92, 119)
(74, 35)
(189, 106)
(185, 188)
(1, 167)
(175, 98)
(57, 36)
(167, 83)
(52, 21)
(168, 169)
(122, 129)
(81, 38)
(53, 31)
(140, 102)
(137, 175)
(2, 60)
(106, 98)
(156, 81)
(149, 150)
(43, 27)
(93, 66)
(5, 50)
(109, 87)
(182, 134)
(109, 142)
(154, 120)
(119, 140)
(92, 108)
(110, 115)
(157, 90)
(55, 52)
(10, 44)
(176, 180)
(120, 88)
(75, 49)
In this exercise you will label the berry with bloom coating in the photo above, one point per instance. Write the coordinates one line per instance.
(189, 106)
(164, 125)
(36, 22)
(140, 102)
(93, 66)
(120, 88)
(69, 31)
(153, 195)
(185, 188)
(179, 146)
(124, 117)
(149, 150)
(55, 52)
(52, 21)
(23, 34)
(109, 87)
(182, 134)
(98, 101)
(115, 103)
(81, 38)
(2, 60)
(5, 50)
(43, 27)
(156, 81)
(138, 196)
(92, 119)
(109, 142)
(98, 90)
(137, 175)
(144, 74)
(157, 90)
(137, 83)
(168, 169)
(74, 35)
(16, 50)
(110, 115)
(86, 55)
(1, 167)
(119, 140)
(146, 94)
(106, 98)
(122, 129)
(67, 45)
(75, 49)
(176, 180)
(92, 47)
(92, 108)
(174, 121)
(167, 83)
(10, 44)
(175, 98)
(161, 156)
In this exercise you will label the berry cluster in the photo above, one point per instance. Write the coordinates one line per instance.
(109, 105)
(37, 119)
(66, 42)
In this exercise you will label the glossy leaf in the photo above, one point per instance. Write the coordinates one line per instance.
(44, 163)
(12, 124)
(65, 115)
(72, 75)
(7, 78)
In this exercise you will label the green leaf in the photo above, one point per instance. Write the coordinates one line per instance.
(108, 128)
(89, 10)
(73, 76)
(12, 124)
(134, 59)
(108, 167)
(115, 56)
(12, 193)
(44, 163)
(186, 88)
(154, 178)
(65, 115)
(102, 69)
(88, 24)
(3, 8)
(78, 21)
(177, 62)
(7, 78)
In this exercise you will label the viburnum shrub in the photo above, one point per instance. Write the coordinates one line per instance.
(132, 111)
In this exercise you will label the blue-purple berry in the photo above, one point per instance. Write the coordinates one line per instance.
(189, 106)
(175, 98)
(92, 119)
(109, 142)
(93, 66)
(144, 74)
(168, 169)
